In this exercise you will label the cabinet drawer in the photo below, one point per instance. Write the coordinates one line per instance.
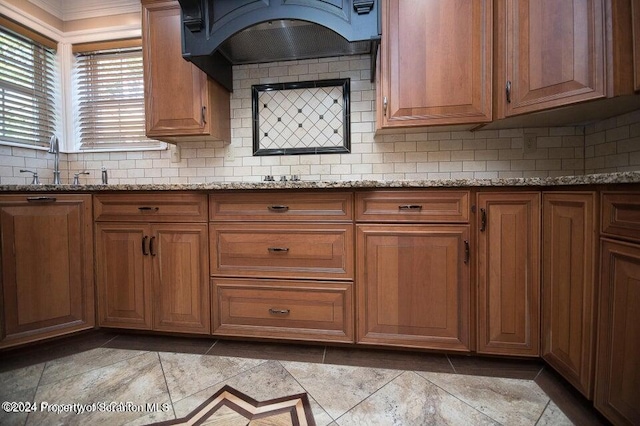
(321, 251)
(317, 311)
(278, 206)
(413, 206)
(621, 214)
(151, 207)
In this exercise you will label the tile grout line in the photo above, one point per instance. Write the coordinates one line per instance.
(211, 347)
(451, 364)
(164, 376)
(543, 411)
(108, 341)
(539, 373)
(457, 397)
(26, 420)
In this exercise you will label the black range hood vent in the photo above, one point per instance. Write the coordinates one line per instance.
(217, 34)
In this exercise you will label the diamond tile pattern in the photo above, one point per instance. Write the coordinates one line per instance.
(301, 118)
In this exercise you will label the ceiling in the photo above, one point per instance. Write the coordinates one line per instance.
(69, 10)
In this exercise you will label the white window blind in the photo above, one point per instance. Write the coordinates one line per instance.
(27, 88)
(110, 96)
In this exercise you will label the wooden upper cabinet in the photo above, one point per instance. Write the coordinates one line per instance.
(180, 100)
(569, 255)
(435, 63)
(551, 53)
(47, 267)
(509, 273)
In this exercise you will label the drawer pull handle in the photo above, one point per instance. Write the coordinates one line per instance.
(41, 199)
(410, 207)
(148, 209)
(278, 208)
(278, 249)
(279, 311)
(151, 249)
(466, 252)
(483, 220)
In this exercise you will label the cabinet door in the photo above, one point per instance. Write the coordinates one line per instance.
(413, 286)
(176, 100)
(47, 266)
(180, 278)
(550, 53)
(618, 370)
(123, 271)
(509, 273)
(435, 62)
(568, 286)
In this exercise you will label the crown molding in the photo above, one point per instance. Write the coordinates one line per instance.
(70, 10)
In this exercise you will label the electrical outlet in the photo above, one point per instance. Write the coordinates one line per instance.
(174, 151)
(530, 144)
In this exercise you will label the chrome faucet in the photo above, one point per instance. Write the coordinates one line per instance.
(54, 148)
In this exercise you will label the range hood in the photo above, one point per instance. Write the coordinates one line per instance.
(217, 34)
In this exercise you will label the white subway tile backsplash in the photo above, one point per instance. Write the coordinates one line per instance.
(607, 145)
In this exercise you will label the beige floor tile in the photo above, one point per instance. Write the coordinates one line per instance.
(411, 400)
(18, 386)
(339, 388)
(84, 361)
(188, 374)
(508, 401)
(134, 381)
(553, 416)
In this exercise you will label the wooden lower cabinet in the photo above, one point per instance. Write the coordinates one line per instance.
(413, 286)
(153, 276)
(47, 266)
(617, 392)
(285, 309)
(508, 273)
(123, 275)
(569, 255)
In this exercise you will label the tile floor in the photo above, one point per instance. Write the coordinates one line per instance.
(345, 386)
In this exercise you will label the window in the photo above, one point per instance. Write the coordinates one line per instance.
(27, 86)
(110, 95)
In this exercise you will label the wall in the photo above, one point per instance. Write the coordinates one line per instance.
(427, 154)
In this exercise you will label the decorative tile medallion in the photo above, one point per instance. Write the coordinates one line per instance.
(229, 406)
(309, 117)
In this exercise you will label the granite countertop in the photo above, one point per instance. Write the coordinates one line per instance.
(593, 179)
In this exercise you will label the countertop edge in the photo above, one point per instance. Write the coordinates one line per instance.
(590, 179)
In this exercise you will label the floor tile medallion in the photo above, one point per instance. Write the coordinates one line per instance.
(230, 407)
